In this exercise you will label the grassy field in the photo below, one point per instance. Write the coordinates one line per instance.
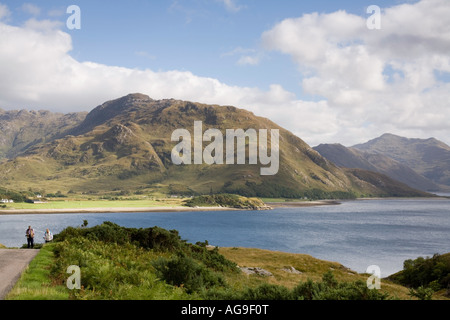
(96, 203)
(311, 268)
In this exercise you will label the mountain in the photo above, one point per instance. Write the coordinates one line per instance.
(125, 145)
(428, 157)
(354, 158)
(21, 129)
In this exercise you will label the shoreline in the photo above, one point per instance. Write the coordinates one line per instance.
(299, 204)
(270, 206)
(112, 210)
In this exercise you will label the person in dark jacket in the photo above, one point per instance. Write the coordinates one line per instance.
(30, 237)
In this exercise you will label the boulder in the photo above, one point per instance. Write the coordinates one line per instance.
(256, 270)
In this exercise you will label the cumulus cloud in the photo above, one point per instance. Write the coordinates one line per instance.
(374, 79)
(31, 9)
(369, 81)
(4, 12)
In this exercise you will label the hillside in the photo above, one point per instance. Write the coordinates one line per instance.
(428, 157)
(354, 158)
(125, 145)
(156, 264)
(389, 186)
(22, 129)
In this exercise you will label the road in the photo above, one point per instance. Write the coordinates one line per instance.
(12, 263)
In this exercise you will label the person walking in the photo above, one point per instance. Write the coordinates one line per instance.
(30, 237)
(48, 236)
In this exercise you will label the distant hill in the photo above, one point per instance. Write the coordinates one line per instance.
(125, 145)
(354, 158)
(21, 129)
(428, 157)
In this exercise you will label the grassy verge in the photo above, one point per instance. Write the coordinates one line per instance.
(36, 282)
(120, 263)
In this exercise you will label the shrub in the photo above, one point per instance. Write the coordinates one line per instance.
(330, 289)
(186, 272)
(425, 272)
(267, 292)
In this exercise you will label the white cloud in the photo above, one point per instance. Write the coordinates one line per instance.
(38, 72)
(348, 65)
(4, 12)
(247, 56)
(43, 25)
(249, 60)
(368, 87)
(31, 9)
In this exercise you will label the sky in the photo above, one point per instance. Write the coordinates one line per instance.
(328, 71)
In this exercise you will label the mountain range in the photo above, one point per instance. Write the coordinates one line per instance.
(423, 164)
(125, 145)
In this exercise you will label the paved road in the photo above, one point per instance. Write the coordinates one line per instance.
(12, 263)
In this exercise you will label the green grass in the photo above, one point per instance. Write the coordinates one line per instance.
(83, 204)
(120, 263)
(36, 283)
(310, 268)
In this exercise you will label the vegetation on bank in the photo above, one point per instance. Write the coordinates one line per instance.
(154, 263)
(16, 196)
(276, 190)
(226, 200)
(425, 276)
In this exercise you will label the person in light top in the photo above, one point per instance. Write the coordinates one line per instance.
(48, 236)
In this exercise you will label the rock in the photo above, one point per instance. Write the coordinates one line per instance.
(291, 270)
(257, 271)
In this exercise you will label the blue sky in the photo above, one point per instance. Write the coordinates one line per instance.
(311, 66)
(205, 37)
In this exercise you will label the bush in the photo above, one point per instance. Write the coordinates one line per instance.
(425, 272)
(212, 258)
(110, 271)
(150, 238)
(110, 257)
(330, 289)
(267, 292)
(185, 272)
(156, 238)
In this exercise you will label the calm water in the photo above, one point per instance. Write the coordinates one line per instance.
(356, 234)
